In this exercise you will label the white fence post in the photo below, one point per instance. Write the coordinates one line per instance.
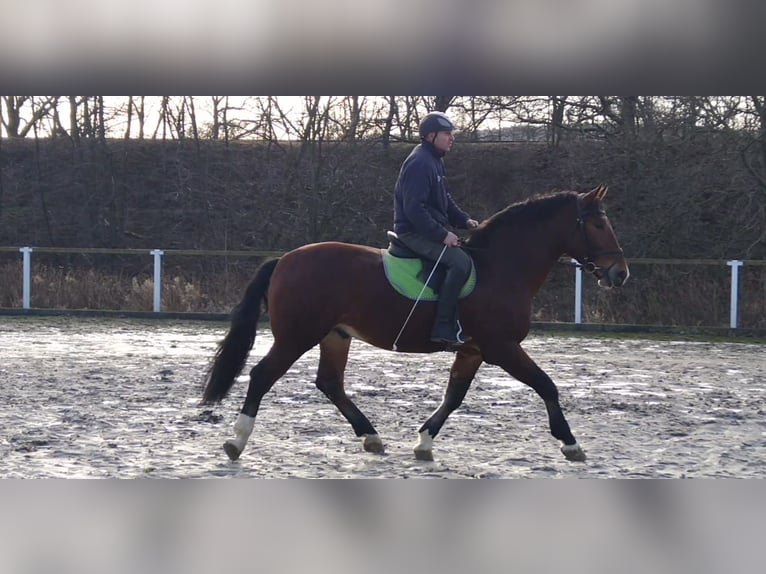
(735, 264)
(157, 279)
(578, 293)
(27, 277)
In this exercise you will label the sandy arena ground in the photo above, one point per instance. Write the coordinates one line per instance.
(118, 398)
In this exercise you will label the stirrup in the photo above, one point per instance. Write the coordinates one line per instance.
(452, 340)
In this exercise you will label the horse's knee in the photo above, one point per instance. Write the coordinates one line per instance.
(260, 381)
(260, 373)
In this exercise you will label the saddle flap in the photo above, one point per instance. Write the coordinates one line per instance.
(407, 275)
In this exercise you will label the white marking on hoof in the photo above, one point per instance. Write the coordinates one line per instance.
(573, 452)
(372, 443)
(423, 450)
(243, 428)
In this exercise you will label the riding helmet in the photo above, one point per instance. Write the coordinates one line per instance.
(435, 122)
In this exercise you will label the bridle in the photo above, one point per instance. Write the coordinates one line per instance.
(589, 264)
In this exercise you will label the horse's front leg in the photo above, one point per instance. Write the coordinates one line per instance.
(514, 360)
(467, 362)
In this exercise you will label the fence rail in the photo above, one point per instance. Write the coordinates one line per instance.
(157, 256)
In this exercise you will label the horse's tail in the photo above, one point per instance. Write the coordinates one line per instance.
(232, 352)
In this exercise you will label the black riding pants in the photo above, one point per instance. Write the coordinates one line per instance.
(458, 263)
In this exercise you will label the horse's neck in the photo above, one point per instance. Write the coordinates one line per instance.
(518, 255)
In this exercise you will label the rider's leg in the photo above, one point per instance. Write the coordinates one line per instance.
(458, 264)
(446, 328)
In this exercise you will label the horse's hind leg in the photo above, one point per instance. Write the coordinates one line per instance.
(262, 377)
(333, 356)
(467, 362)
(514, 360)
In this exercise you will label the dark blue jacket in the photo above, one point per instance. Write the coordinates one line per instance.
(422, 204)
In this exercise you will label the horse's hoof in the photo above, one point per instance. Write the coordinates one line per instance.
(231, 450)
(426, 455)
(372, 443)
(573, 452)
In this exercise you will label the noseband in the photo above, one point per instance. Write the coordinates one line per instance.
(583, 213)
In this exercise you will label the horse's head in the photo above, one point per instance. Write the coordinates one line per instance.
(595, 245)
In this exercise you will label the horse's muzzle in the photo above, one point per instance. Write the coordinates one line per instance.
(615, 276)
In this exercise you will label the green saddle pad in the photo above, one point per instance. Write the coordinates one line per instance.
(402, 273)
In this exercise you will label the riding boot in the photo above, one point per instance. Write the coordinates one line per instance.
(446, 329)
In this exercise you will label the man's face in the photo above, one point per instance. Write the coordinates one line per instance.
(443, 141)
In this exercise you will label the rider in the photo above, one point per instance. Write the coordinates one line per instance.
(423, 210)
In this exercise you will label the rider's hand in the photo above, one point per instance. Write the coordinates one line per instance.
(451, 240)
(472, 224)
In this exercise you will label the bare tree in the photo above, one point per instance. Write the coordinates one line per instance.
(165, 121)
(754, 153)
(558, 106)
(474, 112)
(129, 120)
(14, 121)
(312, 136)
(40, 186)
(137, 107)
(99, 119)
(442, 103)
(619, 119)
(629, 117)
(522, 118)
(74, 127)
(188, 105)
(409, 116)
(86, 127)
(354, 119)
(268, 111)
(220, 112)
(393, 112)
(621, 113)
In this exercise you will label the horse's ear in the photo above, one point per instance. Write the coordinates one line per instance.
(597, 193)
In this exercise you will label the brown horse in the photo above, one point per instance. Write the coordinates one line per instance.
(328, 293)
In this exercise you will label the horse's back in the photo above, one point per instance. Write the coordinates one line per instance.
(329, 258)
(323, 273)
(333, 249)
(321, 286)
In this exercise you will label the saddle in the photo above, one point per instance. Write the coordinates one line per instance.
(398, 249)
(407, 272)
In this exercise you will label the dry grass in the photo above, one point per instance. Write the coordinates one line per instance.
(55, 287)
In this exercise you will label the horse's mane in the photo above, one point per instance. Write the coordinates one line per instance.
(534, 209)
